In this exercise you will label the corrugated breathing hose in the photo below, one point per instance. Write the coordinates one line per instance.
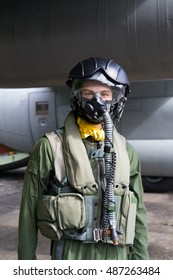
(109, 221)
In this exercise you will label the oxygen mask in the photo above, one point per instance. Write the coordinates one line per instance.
(92, 104)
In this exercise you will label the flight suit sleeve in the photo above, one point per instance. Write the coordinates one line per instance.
(139, 250)
(36, 182)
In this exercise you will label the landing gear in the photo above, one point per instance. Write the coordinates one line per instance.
(157, 184)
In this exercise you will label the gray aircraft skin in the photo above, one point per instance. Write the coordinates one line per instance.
(42, 40)
(26, 114)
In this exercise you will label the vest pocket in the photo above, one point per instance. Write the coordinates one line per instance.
(70, 211)
(50, 230)
(57, 213)
(128, 218)
(46, 218)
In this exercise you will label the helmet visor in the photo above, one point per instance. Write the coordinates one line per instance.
(114, 94)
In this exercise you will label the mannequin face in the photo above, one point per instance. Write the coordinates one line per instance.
(90, 88)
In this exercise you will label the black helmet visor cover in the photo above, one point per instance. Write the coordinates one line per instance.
(88, 67)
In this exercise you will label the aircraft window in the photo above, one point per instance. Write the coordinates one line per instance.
(42, 108)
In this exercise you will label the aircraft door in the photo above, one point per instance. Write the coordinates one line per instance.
(42, 112)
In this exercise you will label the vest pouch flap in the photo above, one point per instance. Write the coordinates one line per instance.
(70, 211)
(46, 209)
(128, 218)
(49, 230)
(46, 217)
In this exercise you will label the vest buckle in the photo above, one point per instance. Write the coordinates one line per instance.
(97, 234)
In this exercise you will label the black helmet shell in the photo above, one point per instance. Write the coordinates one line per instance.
(86, 68)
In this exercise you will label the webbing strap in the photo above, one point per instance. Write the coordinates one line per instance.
(58, 155)
(59, 249)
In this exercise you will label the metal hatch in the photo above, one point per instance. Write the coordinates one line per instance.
(42, 115)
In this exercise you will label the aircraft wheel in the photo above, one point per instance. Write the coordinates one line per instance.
(157, 184)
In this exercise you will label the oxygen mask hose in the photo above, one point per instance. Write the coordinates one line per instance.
(97, 109)
(109, 221)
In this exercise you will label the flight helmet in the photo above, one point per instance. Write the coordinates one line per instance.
(105, 71)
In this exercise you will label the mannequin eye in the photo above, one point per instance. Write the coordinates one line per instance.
(106, 95)
(84, 94)
(87, 94)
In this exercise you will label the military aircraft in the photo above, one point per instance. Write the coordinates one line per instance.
(42, 40)
(11, 159)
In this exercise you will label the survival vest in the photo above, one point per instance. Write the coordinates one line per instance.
(75, 211)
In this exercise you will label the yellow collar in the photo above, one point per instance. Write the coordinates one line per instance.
(88, 129)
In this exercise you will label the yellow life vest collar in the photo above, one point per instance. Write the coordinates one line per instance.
(89, 129)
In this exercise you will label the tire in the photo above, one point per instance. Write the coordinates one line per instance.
(157, 184)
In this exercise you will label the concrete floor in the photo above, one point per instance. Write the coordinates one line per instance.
(159, 208)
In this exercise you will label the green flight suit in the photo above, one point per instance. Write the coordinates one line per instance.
(36, 181)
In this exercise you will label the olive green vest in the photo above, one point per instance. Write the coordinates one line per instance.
(76, 212)
(71, 159)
